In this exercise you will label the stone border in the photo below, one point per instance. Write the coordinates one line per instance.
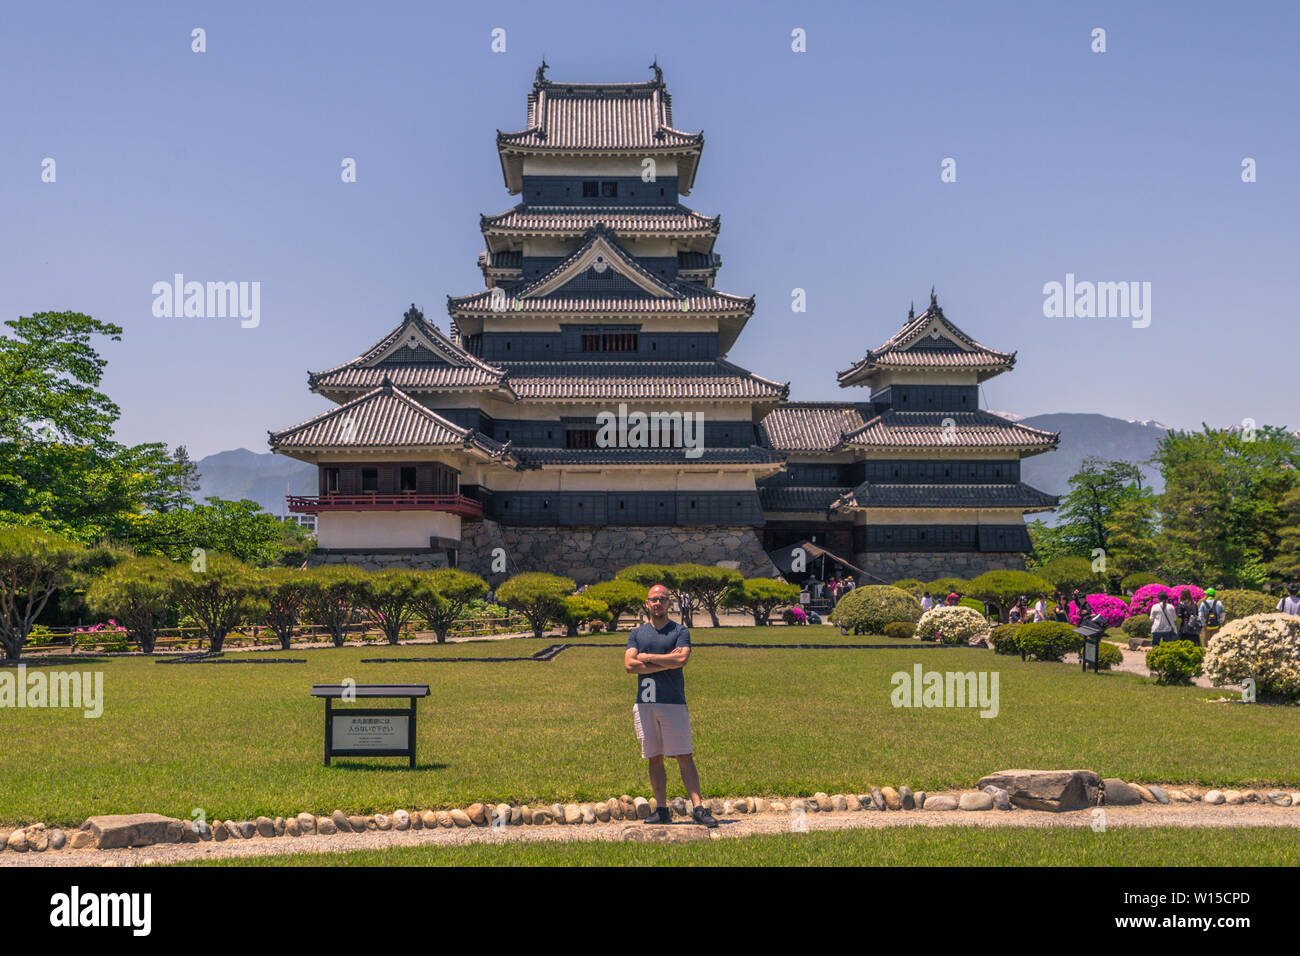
(147, 829)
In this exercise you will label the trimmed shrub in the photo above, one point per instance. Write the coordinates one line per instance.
(1003, 639)
(579, 609)
(940, 588)
(867, 609)
(1067, 573)
(621, 597)
(1004, 587)
(1175, 662)
(912, 586)
(1112, 610)
(1048, 640)
(537, 596)
(1265, 647)
(1246, 603)
(974, 605)
(1148, 594)
(1138, 626)
(1131, 582)
(900, 629)
(951, 625)
(1108, 656)
(761, 596)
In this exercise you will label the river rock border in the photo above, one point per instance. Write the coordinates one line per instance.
(146, 829)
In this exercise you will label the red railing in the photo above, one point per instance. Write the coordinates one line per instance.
(373, 501)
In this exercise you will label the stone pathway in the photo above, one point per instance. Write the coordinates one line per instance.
(732, 827)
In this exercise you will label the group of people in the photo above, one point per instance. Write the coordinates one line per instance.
(1189, 620)
(834, 588)
(927, 601)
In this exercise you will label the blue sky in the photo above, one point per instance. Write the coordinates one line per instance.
(825, 166)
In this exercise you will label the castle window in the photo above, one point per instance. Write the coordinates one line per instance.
(590, 189)
(331, 480)
(369, 479)
(609, 190)
(582, 438)
(408, 479)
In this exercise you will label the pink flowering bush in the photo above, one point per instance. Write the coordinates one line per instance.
(1111, 610)
(1147, 595)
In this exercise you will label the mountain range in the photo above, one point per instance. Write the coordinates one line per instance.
(267, 478)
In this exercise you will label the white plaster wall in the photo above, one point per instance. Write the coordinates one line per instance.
(384, 529)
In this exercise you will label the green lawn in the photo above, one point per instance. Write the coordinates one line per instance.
(239, 740)
(917, 846)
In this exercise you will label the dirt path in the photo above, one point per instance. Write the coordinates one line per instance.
(732, 827)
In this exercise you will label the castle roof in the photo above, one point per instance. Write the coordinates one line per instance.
(1016, 495)
(949, 431)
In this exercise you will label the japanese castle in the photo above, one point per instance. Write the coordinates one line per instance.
(579, 414)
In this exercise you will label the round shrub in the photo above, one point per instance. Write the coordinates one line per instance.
(900, 629)
(1175, 662)
(1245, 603)
(974, 605)
(911, 586)
(1111, 610)
(940, 588)
(1067, 573)
(1148, 594)
(1131, 582)
(1138, 626)
(867, 609)
(1048, 640)
(1003, 639)
(951, 625)
(1108, 656)
(1265, 647)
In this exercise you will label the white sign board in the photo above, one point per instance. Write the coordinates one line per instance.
(370, 733)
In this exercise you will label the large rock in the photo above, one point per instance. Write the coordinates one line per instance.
(588, 813)
(1054, 790)
(602, 812)
(893, 800)
(306, 823)
(642, 807)
(417, 820)
(357, 822)
(978, 800)
(326, 826)
(341, 821)
(81, 840)
(38, 838)
(18, 841)
(444, 819)
(941, 801)
(907, 798)
(1233, 798)
(401, 820)
(477, 814)
(461, 818)
(58, 839)
(1180, 796)
(1120, 794)
(919, 797)
(247, 828)
(542, 816)
(1279, 799)
(1214, 797)
(572, 814)
(1158, 793)
(429, 819)
(1001, 799)
(292, 827)
(117, 831)
(877, 798)
(265, 827)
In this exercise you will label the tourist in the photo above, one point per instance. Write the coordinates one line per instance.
(927, 602)
(1189, 619)
(1164, 621)
(1291, 603)
(1040, 608)
(1212, 615)
(1013, 616)
(1061, 613)
(953, 599)
(661, 647)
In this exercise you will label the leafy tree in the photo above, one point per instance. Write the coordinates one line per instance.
(1131, 533)
(331, 592)
(216, 591)
(1067, 573)
(760, 596)
(621, 597)
(648, 575)
(444, 596)
(1004, 587)
(1285, 565)
(391, 597)
(137, 593)
(33, 565)
(239, 528)
(580, 609)
(1096, 490)
(283, 593)
(1048, 543)
(706, 584)
(538, 597)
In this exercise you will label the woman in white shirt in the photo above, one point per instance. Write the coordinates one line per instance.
(1164, 621)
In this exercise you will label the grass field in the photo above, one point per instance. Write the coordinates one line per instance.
(238, 740)
(894, 846)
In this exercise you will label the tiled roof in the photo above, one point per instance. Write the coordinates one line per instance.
(384, 418)
(811, 426)
(537, 457)
(689, 298)
(563, 221)
(1011, 495)
(911, 347)
(797, 498)
(939, 430)
(604, 116)
(639, 381)
(448, 366)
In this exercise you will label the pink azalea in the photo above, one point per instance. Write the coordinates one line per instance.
(1111, 610)
(1147, 595)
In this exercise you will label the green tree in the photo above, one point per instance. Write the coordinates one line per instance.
(1131, 532)
(1067, 573)
(283, 592)
(538, 597)
(621, 597)
(580, 609)
(760, 596)
(216, 590)
(1096, 490)
(1002, 588)
(444, 595)
(330, 594)
(1285, 565)
(392, 598)
(239, 528)
(706, 585)
(137, 593)
(34, 564)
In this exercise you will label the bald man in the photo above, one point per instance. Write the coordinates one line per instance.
(656, 652)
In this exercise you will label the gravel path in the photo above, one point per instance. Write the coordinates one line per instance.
(732, 827)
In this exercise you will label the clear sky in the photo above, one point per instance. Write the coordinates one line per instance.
(825, 165)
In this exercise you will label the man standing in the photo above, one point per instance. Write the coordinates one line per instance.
(1291, 603)
(657, 651)
(1212, 615)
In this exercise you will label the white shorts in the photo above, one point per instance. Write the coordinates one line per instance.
(663, 729)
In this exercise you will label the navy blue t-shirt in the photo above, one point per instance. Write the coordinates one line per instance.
(662, 687)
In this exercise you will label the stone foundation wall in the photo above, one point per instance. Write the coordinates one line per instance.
(400, 559)
(928, 565)
(594, 554)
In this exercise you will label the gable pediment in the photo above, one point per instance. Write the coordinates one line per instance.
(413, 347)
(599, 262)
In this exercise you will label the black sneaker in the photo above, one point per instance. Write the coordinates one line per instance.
(703, 816)
(660, 816)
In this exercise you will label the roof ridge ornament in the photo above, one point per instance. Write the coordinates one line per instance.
(387, 385)
(541, 79)
(911, 311)
(413, 314)
(659, 73)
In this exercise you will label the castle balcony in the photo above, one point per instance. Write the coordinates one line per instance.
(375, 501)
